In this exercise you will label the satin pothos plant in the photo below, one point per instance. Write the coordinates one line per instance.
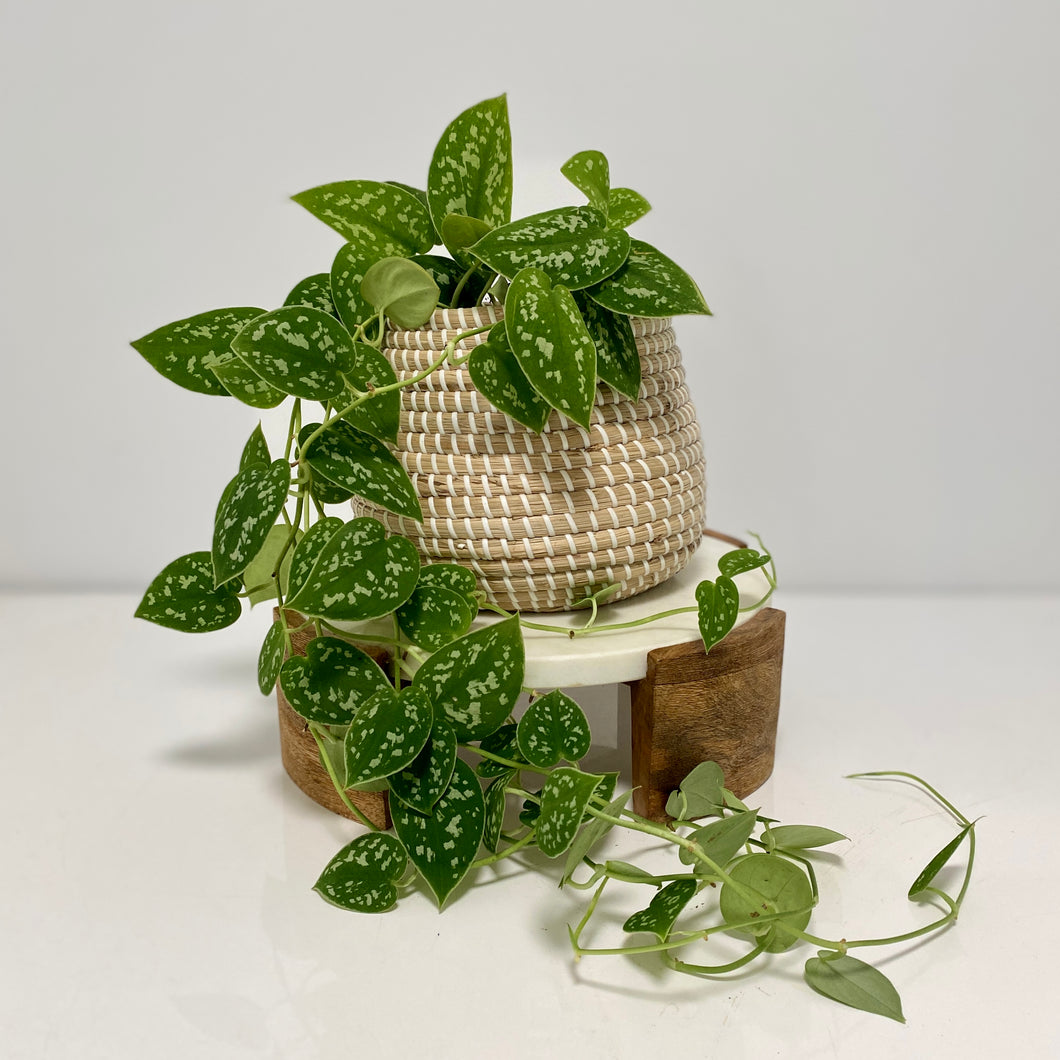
(434, 726)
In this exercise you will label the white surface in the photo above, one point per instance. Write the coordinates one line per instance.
(157, 864)
(866, 193)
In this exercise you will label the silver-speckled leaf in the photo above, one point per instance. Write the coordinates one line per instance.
(624, 206)
(741, 560)
(379, 218)
(664, 909)
(183, 597)
(403, 290)
(444, 845)
(332, 681)
(444, 271)
(449, 576)
(251, 505)
(432, 616)
(386, 734)
(363, 464)
(549, 340)
(590, 173)
(471, 169)
(496, 803)
(261, 576)
(721, 840)
(719, 606)
(270, 658)
(592, 833)
(381, 413)
(347, 271)
(617, 359)
(256, 450)
(181, 351)
(565, 795)
(299, 350)
(359, 574)
(243, 384)
(503, 742)
(315, 292)
(497, 375)
(553, 728)
(571, 245)
(308, 551)
(362, 875)
(424, 782)
(649, 284)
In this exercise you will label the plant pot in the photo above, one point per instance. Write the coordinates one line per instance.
(541, 518)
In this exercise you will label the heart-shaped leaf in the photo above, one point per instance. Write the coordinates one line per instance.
(308, 550)
(564, 796)
(471, 168)
(701, 793)
(782, 885)
(721, 840)
(315, 292)
(362, 875)
(592, 833)
(423, 782)
(444, 845)
(356, 461)
(649, 284)
(359, 574)
(433, 616)
(420, 194)
(664, 909)
(617, 359)
(553, 728)
(475, 681)
(251, 505)
(719, 606)
(402, 289)
(386, 734)
(852, 982)
(590, 173)
(496, 374)
(262, 576)
(183, 596)
(496, 801)
(380, 415)
(550, 341)
(741, 560)
(299, 350)
(331, 682)
(803, 836)
(460, 232)
(347, 271)
(182, 351)
(572, 245)
(624, 206)
(270, 658)
(256, 450)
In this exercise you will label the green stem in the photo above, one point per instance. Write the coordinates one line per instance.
(336, 783)
(461, 284)
(507, 852)
(716, 969)
(918, 780)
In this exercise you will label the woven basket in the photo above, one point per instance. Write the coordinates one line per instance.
(541, 518)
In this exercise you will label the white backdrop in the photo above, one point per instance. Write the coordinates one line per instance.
(866, 193)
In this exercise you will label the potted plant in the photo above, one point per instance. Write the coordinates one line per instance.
(420, 704)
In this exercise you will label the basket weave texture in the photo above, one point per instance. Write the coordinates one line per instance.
(541, 518)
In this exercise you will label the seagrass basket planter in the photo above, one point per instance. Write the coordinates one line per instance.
(543, 518)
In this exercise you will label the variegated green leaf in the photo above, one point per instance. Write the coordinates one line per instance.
(590, 173)
(402, 289)
(496, 803)
(852, 982)
(565, 795)
(380, 415)
(315, 292)
(386, 734)
(381, 219)
(181, 351)
(307, 551)
(252, 503)
(592, 833)
(347, 271)
(449, 576)
(664, 909)
(358, 462)
(444, 271)
(361, 877)
(256, 450)
(721, 840)
(243, 384)
(183, 596)
(423, 782)
(553, 728)
(299, 350)
(741, 560)
(443, 845)
(571, 245)
(497, 375)
(433, 616)
(550, 341)
(719, 606)
(262, 576)
(649, 284)
(624, 206)
(504, 743)
(420, 194)
(471, 169)
(617, 359)
(782, 884)
(475, 681)
(332, 681)
(359, 574)
(270, 658)
(701, 793)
